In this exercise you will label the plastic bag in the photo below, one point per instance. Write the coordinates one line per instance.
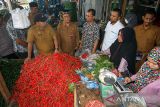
(20, 18)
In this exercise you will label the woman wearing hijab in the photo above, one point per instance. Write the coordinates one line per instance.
(147, 79)
(148, 73)
(123, 51)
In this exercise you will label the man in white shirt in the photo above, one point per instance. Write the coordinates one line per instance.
(112, 29)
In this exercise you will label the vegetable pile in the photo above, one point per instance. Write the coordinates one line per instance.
(102, 62)
(45, 81)
(94, 65)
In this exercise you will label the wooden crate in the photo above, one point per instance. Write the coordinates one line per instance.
(82, 95)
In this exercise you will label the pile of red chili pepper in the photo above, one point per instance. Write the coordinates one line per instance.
(84, 55)
(44, 81)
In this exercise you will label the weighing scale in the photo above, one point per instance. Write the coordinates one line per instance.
(125, 96)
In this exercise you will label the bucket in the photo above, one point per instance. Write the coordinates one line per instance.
(109, 95)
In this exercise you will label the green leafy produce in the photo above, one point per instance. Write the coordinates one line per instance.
(102, 62)
(71, 87)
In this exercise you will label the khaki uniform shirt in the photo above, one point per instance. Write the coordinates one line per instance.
(43, 38)
(68, 37)
(147, 38)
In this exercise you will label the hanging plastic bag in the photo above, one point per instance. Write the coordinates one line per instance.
(20, 18)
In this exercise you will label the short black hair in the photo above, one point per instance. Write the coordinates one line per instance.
(40, 17)
(149, 11)
(66, 12)
(92, 11)
(118, 11)
(33, 4)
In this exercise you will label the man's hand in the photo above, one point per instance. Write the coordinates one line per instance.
(76, 48)
(80, 45)
(21, 42)
(93, 52)
(56, 51)
(27, 59)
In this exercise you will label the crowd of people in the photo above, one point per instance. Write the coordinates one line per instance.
(135, 52)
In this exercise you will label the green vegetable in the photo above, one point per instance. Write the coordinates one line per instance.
(71, 87)
(102, 62)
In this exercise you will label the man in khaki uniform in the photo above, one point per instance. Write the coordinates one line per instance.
(67, 34)
(147, 36)
(43, 36)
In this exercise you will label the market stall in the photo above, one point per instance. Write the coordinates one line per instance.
(100, 87)
(95, 86)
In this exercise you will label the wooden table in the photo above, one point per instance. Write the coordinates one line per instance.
(82, 96)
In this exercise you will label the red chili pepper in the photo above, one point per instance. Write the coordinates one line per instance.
(84, 56)
(44, 81)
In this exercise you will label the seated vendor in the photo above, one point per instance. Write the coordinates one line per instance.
(147, 75)
(123, 52)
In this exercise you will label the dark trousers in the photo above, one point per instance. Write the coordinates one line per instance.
(11, 56)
